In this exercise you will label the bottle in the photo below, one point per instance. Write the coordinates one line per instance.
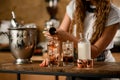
(52, 30)
(84, 53)
(84, 48)
(53, 48)
(13, 20)
(50, 27)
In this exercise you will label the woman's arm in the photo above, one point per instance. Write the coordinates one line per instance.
(63, 27)
(104, 40)
(65, 23)
(98, 46)
(62, 31)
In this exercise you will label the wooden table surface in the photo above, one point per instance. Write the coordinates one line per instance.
(100, 69)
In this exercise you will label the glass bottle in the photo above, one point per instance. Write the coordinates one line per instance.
(52, 30)
(13, 20)
(84, 53)
(84, 48)
(53, 48)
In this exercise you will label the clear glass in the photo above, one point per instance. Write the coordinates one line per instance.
(53, 48)
(68, 53)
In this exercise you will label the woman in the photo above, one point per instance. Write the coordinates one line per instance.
(98, 19)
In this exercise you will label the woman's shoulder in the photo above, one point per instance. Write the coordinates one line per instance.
(71, 3)
(115, 10)
(70, 8)
(114, 15)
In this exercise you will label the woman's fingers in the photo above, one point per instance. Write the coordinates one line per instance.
(44, 63)
(47, 35)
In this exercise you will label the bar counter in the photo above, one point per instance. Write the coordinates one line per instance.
(99, 70)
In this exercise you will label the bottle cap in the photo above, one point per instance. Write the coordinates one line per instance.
(52, 30)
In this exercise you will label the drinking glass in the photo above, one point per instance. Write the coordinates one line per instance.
(53, 48)
(68, 53)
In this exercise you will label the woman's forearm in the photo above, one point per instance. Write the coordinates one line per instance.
(64, 36)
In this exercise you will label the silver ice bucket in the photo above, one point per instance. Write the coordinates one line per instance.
(22, 43)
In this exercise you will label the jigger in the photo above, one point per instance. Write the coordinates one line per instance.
(22, 44)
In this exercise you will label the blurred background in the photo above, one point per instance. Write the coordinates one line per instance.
(30, 11)
(38, 13)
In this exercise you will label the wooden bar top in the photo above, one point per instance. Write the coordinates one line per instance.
(100, 69)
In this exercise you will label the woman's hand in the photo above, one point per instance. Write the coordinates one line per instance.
(47, 35)
(44, 63)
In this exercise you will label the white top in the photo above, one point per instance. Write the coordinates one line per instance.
(114, 17)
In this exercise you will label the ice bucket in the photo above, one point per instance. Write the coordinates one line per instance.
(22, 44)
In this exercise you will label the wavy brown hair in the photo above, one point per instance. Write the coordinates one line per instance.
(101, 14)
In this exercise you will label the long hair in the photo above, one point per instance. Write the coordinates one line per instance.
(101, 14)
